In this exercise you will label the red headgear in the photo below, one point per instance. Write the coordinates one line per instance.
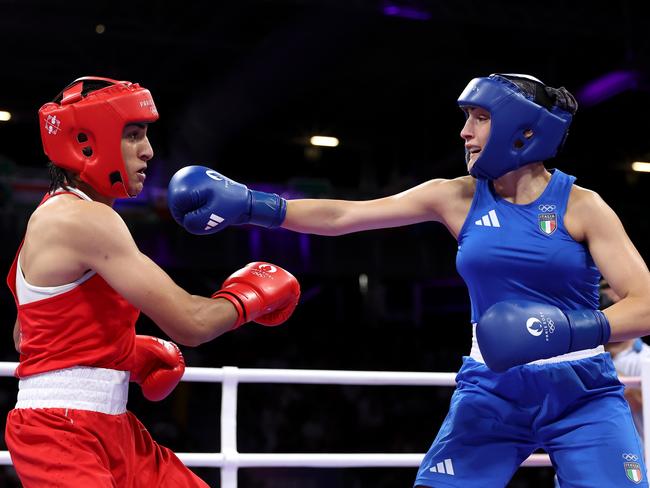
(83, 131)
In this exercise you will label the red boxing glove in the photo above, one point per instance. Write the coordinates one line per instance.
(261, 292)
(158, 366)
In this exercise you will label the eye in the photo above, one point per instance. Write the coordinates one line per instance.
(133, 135)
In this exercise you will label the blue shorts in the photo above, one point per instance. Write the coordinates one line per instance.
(574, 410)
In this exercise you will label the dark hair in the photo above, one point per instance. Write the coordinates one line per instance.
(546, 96)
(60, 177)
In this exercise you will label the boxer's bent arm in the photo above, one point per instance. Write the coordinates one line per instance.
(619, 262)
(103, 243)
(429, 201)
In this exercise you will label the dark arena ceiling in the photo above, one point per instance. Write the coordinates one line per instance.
(240, 85)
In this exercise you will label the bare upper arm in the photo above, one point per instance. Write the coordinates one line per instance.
(437, 200)
(589, 219)
(445, 201)
(104, 244)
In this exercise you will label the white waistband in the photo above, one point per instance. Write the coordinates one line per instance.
(81, 388)
(476, 355)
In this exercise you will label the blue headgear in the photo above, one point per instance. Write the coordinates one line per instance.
(524, 128)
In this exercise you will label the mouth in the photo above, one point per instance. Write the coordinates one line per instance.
(141, 173)
(471, 154)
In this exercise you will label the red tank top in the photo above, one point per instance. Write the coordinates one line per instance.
(90, 325)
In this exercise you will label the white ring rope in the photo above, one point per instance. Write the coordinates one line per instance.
(230, 460)
(342, 460)
(319, 377)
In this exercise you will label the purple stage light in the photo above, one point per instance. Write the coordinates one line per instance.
(607, 86)
(305, 250)
(255, 243)
(405, 11)
(310, 293)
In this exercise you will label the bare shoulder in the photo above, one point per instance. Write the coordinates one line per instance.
(67, 236)
(585, 209)
(76, 224)
(584, 203)
(451, 190)
(451, 200)
(457, 193)
(459, 186)
(75, 217)
(464, 186)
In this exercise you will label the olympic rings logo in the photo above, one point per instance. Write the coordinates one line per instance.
(630, 457)
(546, 208)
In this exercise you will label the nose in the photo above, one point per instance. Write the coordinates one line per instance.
(146, 150)
(466, 132)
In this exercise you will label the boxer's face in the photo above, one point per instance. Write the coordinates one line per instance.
(475, 133)
(136, 151)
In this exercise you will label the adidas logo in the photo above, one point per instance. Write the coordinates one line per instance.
(489, 220)
(213, 222)
(444, 467)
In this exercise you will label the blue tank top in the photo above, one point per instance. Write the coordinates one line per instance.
(508, 251)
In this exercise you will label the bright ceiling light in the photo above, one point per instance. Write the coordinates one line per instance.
(324, 141)
(641, 166)
(5, 116)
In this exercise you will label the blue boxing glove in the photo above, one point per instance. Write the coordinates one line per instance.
(517, 332)
(204, 202)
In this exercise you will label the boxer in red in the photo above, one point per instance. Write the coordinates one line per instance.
(80, 282)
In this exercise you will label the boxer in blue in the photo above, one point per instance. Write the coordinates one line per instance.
(531, 248)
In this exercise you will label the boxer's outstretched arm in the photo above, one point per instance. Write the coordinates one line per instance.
(204, 202)
(434, 200)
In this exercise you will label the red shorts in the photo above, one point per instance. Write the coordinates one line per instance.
(55, 447)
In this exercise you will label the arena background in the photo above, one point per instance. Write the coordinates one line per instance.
(241, 86)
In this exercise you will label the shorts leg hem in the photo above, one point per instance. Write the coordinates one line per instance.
(438, 484)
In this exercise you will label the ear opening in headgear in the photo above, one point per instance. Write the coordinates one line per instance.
(526, 135)
(115, 177)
